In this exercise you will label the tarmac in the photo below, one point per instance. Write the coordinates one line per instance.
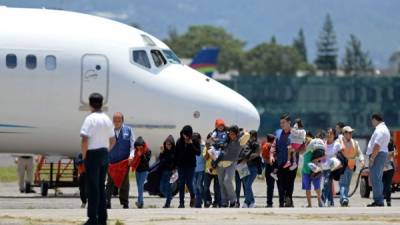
(17, 208)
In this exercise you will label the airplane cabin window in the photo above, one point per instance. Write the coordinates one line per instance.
(171, 57)
(11, 61)
(31, 62)
(51, 62)
(140, 57)
(158, 58)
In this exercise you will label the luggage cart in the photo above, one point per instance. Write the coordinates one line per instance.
(54, 174)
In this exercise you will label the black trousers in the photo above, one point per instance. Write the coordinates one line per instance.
(123, 190)
(82, 187)
(286, 180)
(96, 164)
(387, 184)
(270, 183)
(207, 193)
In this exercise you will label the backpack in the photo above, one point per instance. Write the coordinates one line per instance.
(343, 160)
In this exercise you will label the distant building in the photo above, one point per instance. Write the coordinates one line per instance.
(394, 64)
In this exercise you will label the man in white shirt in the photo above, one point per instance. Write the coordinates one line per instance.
(377, 152)
(97, 134)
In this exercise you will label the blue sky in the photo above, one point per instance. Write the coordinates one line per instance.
(254, 21)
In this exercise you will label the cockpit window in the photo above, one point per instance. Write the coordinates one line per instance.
(148, 40)
(171, 57)
(158, 58)
(140, 57)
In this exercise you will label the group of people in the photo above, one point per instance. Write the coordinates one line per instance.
(331, 155)
(231, 158)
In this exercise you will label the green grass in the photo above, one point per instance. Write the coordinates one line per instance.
(119, 222)
(8, 174)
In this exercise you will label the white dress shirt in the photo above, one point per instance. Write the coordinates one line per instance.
(381, 137)
(99, 129)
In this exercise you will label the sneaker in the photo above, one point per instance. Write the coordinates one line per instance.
(126, 206)
(293, 166)
(245, 205)
(224, 206)
(374, 204)
(388, 204)
(215, 205)
(345, 203)
(83, 205)
(274, 175)
(252, 205)
(287, 164)
(234, 204)
(289, 203)
(181, 206)
(207, 204)
(139, 205)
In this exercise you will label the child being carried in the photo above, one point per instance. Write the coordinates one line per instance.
(218, 139)
(297, 138)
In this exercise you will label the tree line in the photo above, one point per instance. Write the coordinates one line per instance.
(270, 57)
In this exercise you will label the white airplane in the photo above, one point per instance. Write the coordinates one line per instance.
(52, 60)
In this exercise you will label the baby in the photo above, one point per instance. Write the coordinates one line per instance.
(297, 138)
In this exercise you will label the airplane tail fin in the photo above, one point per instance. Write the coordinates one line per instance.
(205, 61)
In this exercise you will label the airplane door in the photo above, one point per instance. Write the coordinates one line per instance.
(94, 77)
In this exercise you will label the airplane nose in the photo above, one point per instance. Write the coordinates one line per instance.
(247, 115)
(210, 98)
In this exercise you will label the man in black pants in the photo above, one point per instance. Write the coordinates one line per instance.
(97, 134)
(279, 154)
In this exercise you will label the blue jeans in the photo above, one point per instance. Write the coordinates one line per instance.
(198, 182)
(248, 183)
(376, 173)
(327, 196)
(185, 178)
(344, 184)
(165, 186)
(140, 179)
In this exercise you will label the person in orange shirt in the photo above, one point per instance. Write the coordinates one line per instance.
(269, 169)
(351, 150)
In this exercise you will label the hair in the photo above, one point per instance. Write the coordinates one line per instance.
(340, 124)
(321, 134)
(333, 131)
(119, 114)
(285, 117)
(96, 101)
(234, 129)
(299, 123)
(309, 134)
(253, 133)
(270, 138)
(378, 117)
(196, 136)
(196, 139)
